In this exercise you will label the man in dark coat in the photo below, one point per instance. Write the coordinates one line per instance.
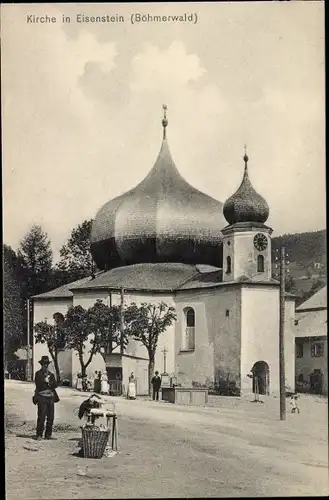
(156, 384)
(45, 396)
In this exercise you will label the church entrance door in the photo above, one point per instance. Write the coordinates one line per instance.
(261, 378)
(114, 376)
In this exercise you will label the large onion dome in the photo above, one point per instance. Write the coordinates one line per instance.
(246, 205)
(163, 219)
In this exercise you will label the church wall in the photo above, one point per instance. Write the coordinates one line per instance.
(227, 333)
(195, 365)
(46, 309)
(87, 299)
(217, 336)
(260, 333)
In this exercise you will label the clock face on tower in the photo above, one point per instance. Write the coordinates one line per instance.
(260, 242)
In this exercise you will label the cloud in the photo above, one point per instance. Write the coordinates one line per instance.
(169, 68)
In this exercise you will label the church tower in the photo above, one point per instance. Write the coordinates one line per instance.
(246, 240)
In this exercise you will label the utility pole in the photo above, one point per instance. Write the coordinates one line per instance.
(28, 347)
(121, 320)
(281, 335)
(109, 347)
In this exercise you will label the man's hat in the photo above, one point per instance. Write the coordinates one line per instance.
(44, 360)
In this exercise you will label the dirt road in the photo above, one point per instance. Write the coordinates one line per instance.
(232, 448)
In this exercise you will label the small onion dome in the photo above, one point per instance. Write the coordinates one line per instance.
(246, 205)
(162, 219)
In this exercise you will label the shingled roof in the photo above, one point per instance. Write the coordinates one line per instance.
(160, 277)
(312, 324)
(61, 292)
(152, 277)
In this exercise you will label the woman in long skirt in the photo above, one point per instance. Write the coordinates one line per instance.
(79, 382)
(104, 384)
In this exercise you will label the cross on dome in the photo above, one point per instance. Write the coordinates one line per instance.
(164, 120)
(245, 155)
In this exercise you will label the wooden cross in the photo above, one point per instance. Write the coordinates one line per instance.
(165, 359)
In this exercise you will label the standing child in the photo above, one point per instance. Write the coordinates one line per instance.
(131, 393)
(294, 404)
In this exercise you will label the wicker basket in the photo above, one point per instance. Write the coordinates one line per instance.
(94, 441)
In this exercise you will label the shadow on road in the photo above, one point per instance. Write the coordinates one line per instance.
(26, 436)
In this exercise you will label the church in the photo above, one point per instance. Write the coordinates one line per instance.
(165, 240)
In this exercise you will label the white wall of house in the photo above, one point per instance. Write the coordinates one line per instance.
(307, 363)
(289, 343)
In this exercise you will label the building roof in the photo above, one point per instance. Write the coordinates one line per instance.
(317, 301)
(312, 324)
(161, 277)
(153, 277)
(61, 292)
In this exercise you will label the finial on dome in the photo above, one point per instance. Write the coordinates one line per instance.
(164, 120)
(246, 159)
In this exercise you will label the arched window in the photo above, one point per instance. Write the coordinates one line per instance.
(260, 264)
(188, 340)
(228, 265)
(59, 320)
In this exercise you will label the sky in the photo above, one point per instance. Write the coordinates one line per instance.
(82, 108)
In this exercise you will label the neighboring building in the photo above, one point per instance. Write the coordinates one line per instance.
(311, 344)
(166, 241)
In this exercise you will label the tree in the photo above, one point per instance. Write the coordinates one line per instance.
(36, 256)
(78, 330)
(100, 325)
(76, 260)
(145, 323)
(291, 285)
(12, 307)
(105, 324)
(53, 336)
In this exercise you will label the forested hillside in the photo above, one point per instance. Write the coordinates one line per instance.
(305, 249)
(306, 262)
